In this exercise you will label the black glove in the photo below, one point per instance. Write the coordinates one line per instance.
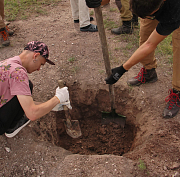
(116, 74)
(93, 3)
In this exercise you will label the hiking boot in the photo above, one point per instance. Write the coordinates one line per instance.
(173, 104)
(11, 132)
(10, 32)
(4, 37)
(126, 28)
(144, 76)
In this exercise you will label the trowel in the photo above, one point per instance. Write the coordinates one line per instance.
(72, 126)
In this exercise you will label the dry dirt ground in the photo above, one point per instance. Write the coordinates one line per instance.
(147, 146)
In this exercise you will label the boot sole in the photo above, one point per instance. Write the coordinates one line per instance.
(139, 83)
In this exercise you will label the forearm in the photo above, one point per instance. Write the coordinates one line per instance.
(34, 111)
(143, 51)
(43, 108)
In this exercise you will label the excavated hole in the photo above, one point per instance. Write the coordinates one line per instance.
(98, 138)
(87, 103)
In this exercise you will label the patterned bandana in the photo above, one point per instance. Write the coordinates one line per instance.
(39, 47)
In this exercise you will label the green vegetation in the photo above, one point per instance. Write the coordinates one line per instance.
(101, 71)
(22, 9)
(165, 49)
(113, 9)
(72, 59)
(92, 13)
(108, 24)
(141, 165)
(74, 69)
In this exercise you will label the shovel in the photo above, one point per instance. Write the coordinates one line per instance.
(107, 116)
(72, 126)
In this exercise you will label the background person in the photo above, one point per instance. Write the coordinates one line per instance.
(160, 18)
(80, 13)
(128, 19)
(152, 32)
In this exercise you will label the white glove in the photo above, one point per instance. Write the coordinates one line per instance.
(59, 107)
(62, 94)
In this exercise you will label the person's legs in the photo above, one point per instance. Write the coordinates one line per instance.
(11, 113)
(176, 59)
(126, 18)
(126, 14)
(147, 26)
(148, 72)
(75, 9)
(173, 105)
(84, 17)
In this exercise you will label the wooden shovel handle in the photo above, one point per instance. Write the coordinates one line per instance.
(61, 85)
(102, 36)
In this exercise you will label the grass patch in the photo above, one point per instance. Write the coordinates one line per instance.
(91, 13)
(141, 165)
(165, 49)
(113, 9)
(109, 24)
(23, 9)
(71, 59)
(74, 69)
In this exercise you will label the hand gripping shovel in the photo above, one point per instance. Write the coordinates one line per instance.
(112, 116)
(72, 126)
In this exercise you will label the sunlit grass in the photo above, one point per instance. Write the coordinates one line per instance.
(23, 9)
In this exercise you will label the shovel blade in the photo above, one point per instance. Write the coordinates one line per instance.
(72, 128)
(108, 117)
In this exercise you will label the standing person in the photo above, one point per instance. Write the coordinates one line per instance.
(128, 19)
(4, 31)
(17, 107)
(80, 13)
(160, 18)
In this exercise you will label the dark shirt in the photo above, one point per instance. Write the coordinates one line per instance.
(168, 16)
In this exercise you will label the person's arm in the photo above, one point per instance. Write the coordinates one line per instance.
(144, 50)
(34, 111)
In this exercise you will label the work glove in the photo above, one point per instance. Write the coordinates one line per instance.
(116, 74)
(93, 3)
(59, 107)
(62, 94)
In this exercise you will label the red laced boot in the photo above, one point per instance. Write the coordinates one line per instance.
(173, 104)
(4, 37)
(143, 77)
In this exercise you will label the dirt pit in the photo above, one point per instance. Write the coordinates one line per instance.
(98, 137)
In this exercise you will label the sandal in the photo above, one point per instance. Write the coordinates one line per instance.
(92, 28)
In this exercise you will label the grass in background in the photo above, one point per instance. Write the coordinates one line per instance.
(23, 9)
(109, 24)
(165, 49)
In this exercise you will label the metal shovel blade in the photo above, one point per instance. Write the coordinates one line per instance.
(108, 117)
(72, 128)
